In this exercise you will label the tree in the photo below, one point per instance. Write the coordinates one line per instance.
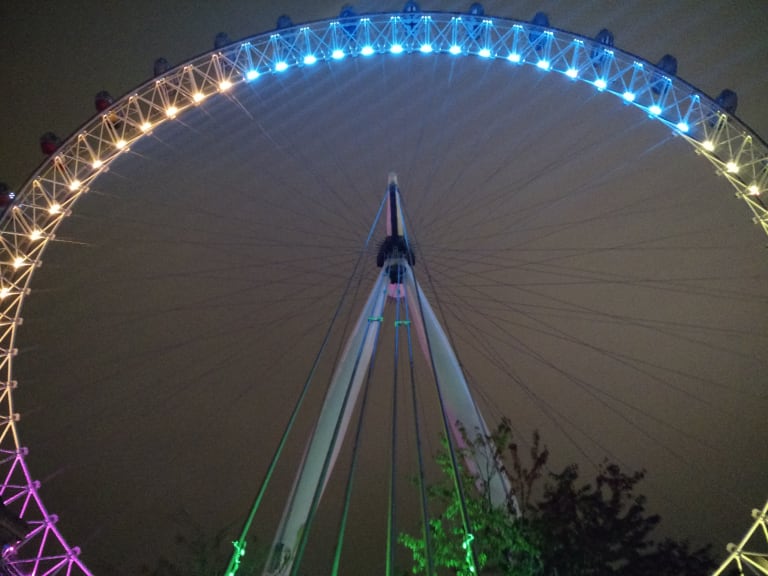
(573, 529)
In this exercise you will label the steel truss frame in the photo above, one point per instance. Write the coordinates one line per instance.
(752, 552)
(48, 197)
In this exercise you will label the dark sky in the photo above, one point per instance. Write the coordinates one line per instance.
(598, 278)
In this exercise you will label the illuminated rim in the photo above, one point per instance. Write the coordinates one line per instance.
(752, 551)
(49, 196)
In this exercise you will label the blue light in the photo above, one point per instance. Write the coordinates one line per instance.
(281, 66)
(682, 126)
(629, 96)
(426, 48)
(514, 57)
(337, 54)
(367, 50)
(310, 59)
(455, 49)
(572, 73)
(251, 75)
(484, 53)
(396, 48)
(655, 110)
(543, 64)
(601, 84)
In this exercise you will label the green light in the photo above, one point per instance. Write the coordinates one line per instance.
(467, 545)
(234, 563)
(402, 322)
(376, 319)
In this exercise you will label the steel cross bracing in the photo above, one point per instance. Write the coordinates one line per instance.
(42, 203)
(752, 552)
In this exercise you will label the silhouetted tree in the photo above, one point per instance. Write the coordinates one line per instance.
(574, 528)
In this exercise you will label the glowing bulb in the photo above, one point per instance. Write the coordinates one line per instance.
(54, 208)
(198, 97)
(171, 111)
(97, 164)
(455, 49)
(682, 126)
(120, 144)
(426, 48)
(543, 64)
(225, 85)
(484, 53)
(18, 262)
(572, 73)
(146, 126)
(396, 48)
(251, 75)
(754, 190)
(4, 291)
(601, 84)
(281, 66)
(655, 110)
(36, 234)
(708, 145)
(310, 59)
(629, 96)
(732, 167)
(75, 185)
(337, 54)
(367, 50)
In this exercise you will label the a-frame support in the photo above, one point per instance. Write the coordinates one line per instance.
(396, 280)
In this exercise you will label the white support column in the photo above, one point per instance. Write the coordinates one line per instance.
(325, 443)
(459, 405)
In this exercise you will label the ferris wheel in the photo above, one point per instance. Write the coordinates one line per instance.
(442, 237)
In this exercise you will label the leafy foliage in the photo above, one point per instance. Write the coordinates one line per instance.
(200, 554)
(600, 528)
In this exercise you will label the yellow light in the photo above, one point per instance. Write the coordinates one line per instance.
(75, 185)
(97, 164)
(18, 262)
(171, 111)
(146, 127)
(54, 208)
(4, 292)
(708, 145)
(754, 190)
(198, 97)
(120, 144)
(225, 85)
(732, 167)
(36, 234)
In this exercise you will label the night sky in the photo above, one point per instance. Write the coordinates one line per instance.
(599, 280)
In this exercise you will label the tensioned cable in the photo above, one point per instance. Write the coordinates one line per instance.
(427, 533)
(353, 464)
(392, 509)
(458, 484)
(239, 545)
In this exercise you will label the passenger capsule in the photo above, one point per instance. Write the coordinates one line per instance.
(284, 21)
(49, 143)
(668, 65)
(103, 100)
(728, 100)
(605, 37)
(6, 197)
(221, 40)
(477, 9)
(161, 67)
